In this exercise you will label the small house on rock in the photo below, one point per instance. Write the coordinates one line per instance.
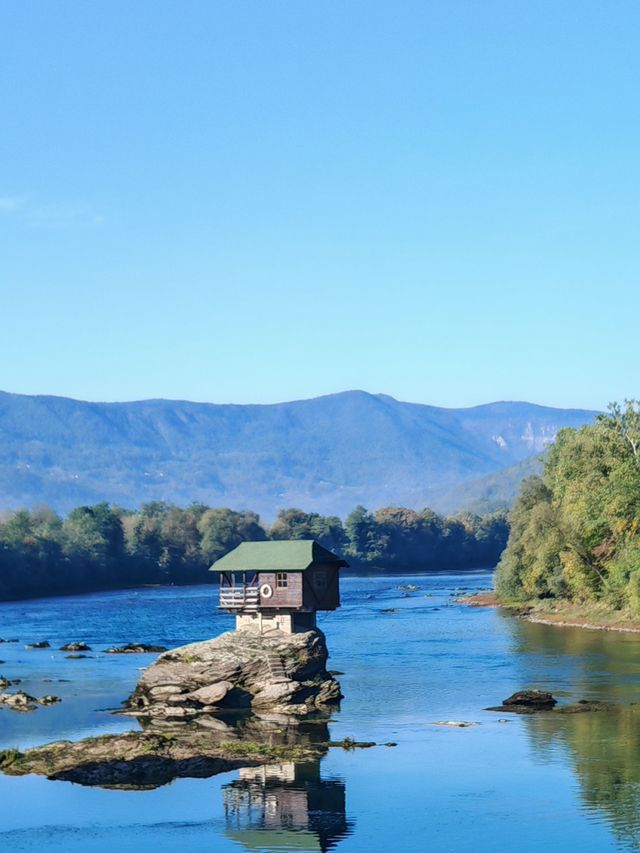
(279, 584)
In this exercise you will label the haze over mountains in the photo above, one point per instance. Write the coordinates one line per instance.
(326, 454)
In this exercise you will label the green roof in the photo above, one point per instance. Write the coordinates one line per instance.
(291, 555)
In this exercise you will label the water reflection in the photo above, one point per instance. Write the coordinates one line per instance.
(285, 806)
(585, 664)
(269, 729)
(604, 751)
(603, 747)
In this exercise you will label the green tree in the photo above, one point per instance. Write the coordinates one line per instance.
(296, 524)
(574, 534)
(223, 529)
(95, 533)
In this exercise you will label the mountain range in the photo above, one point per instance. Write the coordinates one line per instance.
(326, 454)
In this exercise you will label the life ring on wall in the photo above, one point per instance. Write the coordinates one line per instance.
(266, 590)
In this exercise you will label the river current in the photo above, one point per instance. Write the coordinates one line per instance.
(409, 658)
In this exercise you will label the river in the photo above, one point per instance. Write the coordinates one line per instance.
(549, 781)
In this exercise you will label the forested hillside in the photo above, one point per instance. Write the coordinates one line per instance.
(575, 530)
(327, 454)
(103, 547)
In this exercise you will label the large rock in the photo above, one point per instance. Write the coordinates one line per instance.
(537, 700)
(240, 669)
(527, 702)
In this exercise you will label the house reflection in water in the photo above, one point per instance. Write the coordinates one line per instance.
(285, 807)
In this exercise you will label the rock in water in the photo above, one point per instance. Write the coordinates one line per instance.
(19, 701)
(75, 647)
(240, 669)
(135, 649)
(145, 760)
(49, 700)
(527, 702)
(535, 699)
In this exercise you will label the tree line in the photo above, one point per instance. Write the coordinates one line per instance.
(575, 531)
(108, 547)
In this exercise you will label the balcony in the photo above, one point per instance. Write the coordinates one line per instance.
(239, 598)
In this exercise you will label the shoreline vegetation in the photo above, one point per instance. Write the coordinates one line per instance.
(106, 547)
(573, 555)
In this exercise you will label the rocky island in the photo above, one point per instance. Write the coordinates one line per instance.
(274, 671)
(237, 700)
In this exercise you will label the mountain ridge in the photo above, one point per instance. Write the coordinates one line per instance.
(325, 453)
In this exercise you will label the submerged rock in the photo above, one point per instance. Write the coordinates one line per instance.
(145, 760)
(43, 644)
(585, 706)
(135, 649)
(240, 669)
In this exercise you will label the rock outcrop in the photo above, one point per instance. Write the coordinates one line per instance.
(21, 701)
(285, 673)
(147, 759)
(75, 647)
(135, 649)
(133, 760)
(527, 702)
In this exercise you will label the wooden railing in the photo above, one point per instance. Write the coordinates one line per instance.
(239, 598)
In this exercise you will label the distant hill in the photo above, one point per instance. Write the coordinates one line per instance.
(491, 491)
(326, 454)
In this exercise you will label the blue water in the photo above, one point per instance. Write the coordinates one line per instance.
(560, 783)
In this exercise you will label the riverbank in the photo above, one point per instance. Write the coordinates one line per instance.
(592, 617)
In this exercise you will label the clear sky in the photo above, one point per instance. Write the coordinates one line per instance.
(258, 201)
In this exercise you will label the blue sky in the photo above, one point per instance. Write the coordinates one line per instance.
(259, 201)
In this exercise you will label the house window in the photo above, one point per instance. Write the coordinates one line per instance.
(281, 580)
(320, 581)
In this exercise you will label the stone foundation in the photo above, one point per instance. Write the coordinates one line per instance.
(289, 623)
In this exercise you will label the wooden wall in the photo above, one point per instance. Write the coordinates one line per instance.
(289, 596)
(321, 596)
(304, 589)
